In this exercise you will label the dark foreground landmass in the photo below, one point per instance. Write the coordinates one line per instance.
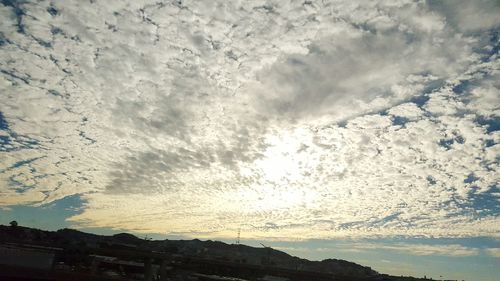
(67, 254)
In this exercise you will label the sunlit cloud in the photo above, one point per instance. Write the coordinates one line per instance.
(452, 250)
(494, 252)
(285, 119)
(426, 250)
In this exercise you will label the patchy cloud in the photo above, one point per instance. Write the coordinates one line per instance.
(451, 250)
(283, 118)
(494, 252)
(426, 250)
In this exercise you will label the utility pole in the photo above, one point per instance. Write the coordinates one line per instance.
(268, 252)
(238, 237)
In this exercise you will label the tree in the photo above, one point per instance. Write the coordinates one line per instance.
(13, 223)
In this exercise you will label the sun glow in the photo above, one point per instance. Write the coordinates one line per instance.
(282, 179)
(283, 161)
(268, 198)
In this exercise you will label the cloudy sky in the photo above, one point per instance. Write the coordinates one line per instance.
(367, 131)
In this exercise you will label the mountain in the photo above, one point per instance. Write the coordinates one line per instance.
(207, 250)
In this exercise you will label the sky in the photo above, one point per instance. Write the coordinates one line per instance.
(367, 131)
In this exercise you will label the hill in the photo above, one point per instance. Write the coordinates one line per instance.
(77, 243)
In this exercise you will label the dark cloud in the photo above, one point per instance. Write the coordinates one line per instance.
(468, 16)
(340, 78)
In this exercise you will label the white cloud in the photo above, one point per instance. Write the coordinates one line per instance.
(417, 249)
(407, 110)
(284, 118)
(494, 252)
(453, 250)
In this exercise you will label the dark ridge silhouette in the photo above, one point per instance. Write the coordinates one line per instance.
(128, 257)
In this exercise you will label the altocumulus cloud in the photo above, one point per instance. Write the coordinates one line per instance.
(284, 118)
